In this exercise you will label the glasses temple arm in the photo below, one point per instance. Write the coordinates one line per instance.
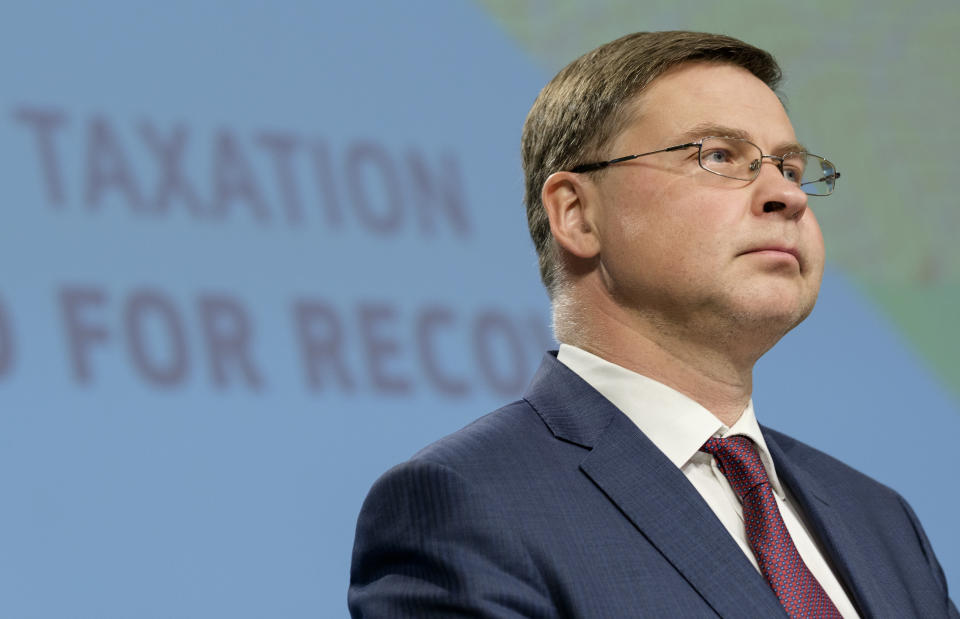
(590, 167)
(833, 176)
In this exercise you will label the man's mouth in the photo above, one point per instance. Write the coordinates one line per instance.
(775, 251)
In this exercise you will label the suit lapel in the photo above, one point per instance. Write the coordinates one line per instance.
(652, 493)
(656, 496)
(845, 543)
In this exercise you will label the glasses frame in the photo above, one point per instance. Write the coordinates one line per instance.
(754, 165)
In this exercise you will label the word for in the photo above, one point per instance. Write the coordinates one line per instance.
(269, 177)
(372, 346)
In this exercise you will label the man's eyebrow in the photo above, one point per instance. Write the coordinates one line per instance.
(704, 130)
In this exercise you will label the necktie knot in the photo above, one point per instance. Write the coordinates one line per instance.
(738, 461)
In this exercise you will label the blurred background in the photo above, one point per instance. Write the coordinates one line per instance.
(257, 253)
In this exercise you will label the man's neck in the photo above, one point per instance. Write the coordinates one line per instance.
(702, 370)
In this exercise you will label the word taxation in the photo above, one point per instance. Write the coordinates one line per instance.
(269, 177)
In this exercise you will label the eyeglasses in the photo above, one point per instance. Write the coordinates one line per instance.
(741, 160)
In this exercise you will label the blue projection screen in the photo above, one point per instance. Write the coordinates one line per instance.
(256, 255)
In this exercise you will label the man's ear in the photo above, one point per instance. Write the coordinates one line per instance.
(570, 201)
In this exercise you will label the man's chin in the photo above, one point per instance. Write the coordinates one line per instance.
(788, 304)
(761, 325)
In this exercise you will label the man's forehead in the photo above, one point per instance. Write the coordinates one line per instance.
(701, 99)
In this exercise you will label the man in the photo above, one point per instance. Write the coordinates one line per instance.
(667, 196)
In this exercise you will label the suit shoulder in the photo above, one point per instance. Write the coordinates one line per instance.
(506, 430)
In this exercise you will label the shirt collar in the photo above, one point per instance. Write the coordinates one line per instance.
(676, 424)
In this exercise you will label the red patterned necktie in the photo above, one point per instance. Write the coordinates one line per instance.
(780, 563)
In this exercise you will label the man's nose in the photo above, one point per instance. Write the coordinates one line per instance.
(777, 194)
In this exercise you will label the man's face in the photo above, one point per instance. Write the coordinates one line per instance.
(691, 250)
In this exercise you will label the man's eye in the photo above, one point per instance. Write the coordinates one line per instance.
(792, 174)
(717, 156)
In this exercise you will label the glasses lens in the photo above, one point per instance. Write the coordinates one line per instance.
(815, 175)
(730, 157)
(820, 177)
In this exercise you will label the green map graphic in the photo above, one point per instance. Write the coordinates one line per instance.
(871, 85)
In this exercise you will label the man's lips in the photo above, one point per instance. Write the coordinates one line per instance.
(774, 250)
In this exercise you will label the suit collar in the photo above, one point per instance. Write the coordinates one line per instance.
(572, 410)
(674, 422)
(651, 492)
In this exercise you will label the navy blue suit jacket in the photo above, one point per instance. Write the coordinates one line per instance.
(558, 506)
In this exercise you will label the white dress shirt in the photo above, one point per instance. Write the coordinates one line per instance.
(679, 426)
